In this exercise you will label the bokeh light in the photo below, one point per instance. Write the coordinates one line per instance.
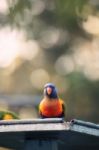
(29, 49)
(49, 37)
(92, 25)
(86, 58)
(39, 77)
(3, 6)
(64, 65)
(13, 44)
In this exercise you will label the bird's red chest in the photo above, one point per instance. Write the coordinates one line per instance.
(51, 108)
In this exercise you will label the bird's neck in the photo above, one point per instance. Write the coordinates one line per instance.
(51, 98)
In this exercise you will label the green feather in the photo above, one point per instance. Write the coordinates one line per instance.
(3, 113)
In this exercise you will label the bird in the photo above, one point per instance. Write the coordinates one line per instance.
(8, 115)
(51, 106)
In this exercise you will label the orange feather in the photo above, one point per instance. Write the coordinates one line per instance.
(51, 108)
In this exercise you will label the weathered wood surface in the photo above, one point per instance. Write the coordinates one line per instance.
(84, 127)
(52, 124)
(33, 125)
(32, 134)
(50, 134)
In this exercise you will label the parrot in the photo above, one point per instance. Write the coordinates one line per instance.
(51, 106)
(7, 115)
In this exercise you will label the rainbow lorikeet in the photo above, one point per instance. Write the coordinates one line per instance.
(51, 106)
(7, 115)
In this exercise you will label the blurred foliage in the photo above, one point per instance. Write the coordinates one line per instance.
(67, 12)
(55, 25)
(63, 11)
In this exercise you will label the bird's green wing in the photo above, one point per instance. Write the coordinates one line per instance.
(63, 105)
(7, 115)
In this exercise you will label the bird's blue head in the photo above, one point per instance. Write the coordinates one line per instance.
(50, 90)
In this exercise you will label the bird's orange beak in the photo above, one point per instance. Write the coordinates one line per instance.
(49, 90)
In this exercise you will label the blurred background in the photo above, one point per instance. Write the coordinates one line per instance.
(50, 41)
